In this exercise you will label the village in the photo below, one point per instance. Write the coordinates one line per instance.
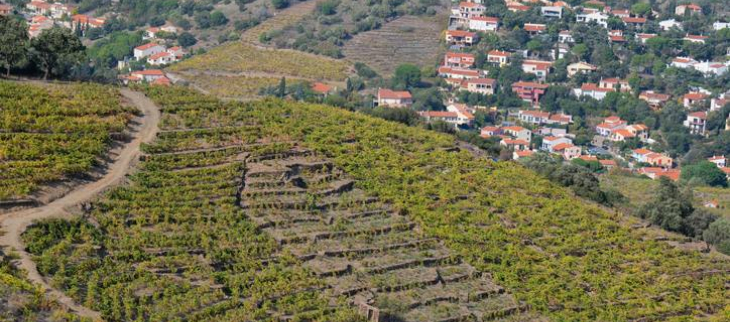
(616, 143)
(609, 140)
(157, 52)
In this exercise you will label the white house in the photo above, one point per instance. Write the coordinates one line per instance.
(690, 8)
(550, 142)
(682, 62)
(597, 17)
(484, 23)
(458, 73)
(580, 67)
(456, 114)
(538, 68)
(148, 50)
(552, 12)
(518, 132)
(483, 86)
(669, 24)
(533, 117)
(720, 25)
(389, 98)
(610, 124)
(471, 9)
(696, 122)
(592, 90)
(565, 37)
(498, 57)
(710, 68)
(719, 161)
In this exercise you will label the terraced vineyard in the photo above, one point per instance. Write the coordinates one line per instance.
(409, 39)
(54, 132)
(235, 87)
(362, 248)
(275, 210)
(22, 301)
(239, 70)
(285, 17)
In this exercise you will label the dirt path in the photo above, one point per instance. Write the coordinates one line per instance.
(13, 224)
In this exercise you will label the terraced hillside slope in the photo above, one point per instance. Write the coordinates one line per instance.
(363, 249)
(240, 69)
(409, 39)
(277, 210)
(22, 301)
(54, 133)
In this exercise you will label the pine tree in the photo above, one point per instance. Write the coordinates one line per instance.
(281, 92)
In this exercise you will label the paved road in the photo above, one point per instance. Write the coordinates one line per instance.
(13, 224)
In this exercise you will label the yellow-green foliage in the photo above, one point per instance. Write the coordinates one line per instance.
(568, 260)
(22, 301)
(48, 132)
(235, 86)
(239, 57)
(282, 19)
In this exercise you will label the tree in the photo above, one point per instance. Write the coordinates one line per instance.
(242, 4)
(328, 7)
(217, 18)
(281, 90)
(53, 45)
(704, 172)
(669, 207)
(718, 234)
(280, 4)
(13, 42)
(186, 39)
(406, 76)
(641, 9)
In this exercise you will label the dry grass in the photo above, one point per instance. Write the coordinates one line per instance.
(239, 57)
(408, 39)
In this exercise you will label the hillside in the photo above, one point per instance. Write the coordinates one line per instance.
(241, 69)
(55, 133)
(276, 209)
(22, 301)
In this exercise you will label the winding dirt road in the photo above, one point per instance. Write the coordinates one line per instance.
(13, 224)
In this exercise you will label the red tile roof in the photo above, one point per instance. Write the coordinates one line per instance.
(530, 84)
(540, 114)
(499, 53)
(634, 20)
(388, 94)
(562, 146)
(595, 88)
(699, 115)
(160, 55)
(321, 88)
(625, 133)
(460, 33)
(695, 96)
(534, 27)
(458, 71)
(469, 4)
(482, 81)
(147, 46)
